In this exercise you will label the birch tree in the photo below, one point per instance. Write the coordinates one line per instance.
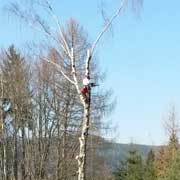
(61, 41)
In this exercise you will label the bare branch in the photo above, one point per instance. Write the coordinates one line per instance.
(39, 25)
(51, 12)
(59, 68)
(108, 24)
(31, 21)
(74, 71)
(88, 58)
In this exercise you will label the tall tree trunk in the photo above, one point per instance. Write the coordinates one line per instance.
(3, 149)
(58, 172)
(4, 164)
(62, 153)
(23, 164)
(15, 157)
(4, 161)
(83, 139)
(64, 141)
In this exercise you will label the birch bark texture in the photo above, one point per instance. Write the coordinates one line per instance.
(38, 24)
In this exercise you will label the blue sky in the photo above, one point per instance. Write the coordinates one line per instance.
(141, 59)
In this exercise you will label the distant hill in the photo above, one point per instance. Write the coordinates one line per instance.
(114, 152)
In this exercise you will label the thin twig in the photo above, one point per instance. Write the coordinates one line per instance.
(51, 12)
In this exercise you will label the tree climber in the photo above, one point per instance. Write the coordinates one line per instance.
(87, 85)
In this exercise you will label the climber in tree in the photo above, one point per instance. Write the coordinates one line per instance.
(87, 85)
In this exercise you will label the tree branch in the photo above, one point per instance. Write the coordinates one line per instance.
(15, 9)
(51, 12)
(88, 59)
(108, 24)
(74, 70)
(59, 68)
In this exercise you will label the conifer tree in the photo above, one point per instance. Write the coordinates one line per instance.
(173, 171)
(167, 154)
(149, 171)
(131, 168)
(134, 166)
(121, 172)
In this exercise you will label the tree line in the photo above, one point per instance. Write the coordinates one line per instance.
(75, 61)
(160, 164)
(41, 116)
(53, 110)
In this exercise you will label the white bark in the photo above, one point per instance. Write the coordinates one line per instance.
(108, 24)
(83, 142)
(81, 158)
(62, 43)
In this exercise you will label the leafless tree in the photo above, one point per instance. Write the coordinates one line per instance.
(70, 51)
(16, 106)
